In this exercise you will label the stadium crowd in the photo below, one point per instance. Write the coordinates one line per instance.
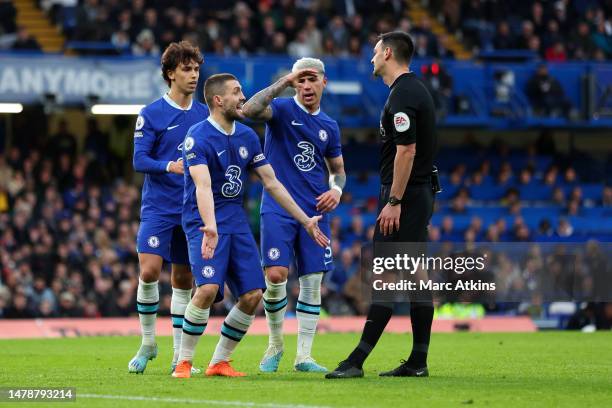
(557, 31)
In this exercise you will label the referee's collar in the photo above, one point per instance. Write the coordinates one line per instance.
(409, 73)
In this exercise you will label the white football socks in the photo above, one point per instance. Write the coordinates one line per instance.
(234, 327)
(180, 300)
(147, 303)
(275, 306)
(194, 324)
(307, 310)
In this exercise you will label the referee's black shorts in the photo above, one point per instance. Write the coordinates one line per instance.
(417, 208)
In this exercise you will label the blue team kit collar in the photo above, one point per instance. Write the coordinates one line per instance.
(219, 128)
(302, 107)
(175, 105)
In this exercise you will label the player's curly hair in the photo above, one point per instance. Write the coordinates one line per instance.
(176, 53)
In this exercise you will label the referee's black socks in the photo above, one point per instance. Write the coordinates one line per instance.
(378, 317)
(421, 317)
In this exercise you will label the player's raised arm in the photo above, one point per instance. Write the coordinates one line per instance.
(206, 208)
(258, 107)
(144, 144)
(276, 189)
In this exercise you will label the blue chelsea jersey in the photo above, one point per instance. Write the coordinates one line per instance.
(296, 144)
(158, 139)
(229, 157)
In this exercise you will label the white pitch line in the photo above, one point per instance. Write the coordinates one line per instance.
(198, 401)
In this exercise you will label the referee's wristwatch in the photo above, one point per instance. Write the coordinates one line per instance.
(394, 201)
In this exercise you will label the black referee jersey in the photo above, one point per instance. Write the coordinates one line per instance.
(409, 116)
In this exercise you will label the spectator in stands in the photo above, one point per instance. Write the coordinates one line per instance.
(561, 16)
(564, 228)
(522, 233)
(19, 308)
(551, 176)
(504, 39)
(492, 234)
(62, 142)
(573, 208)
(235, 47)
(424, 29)
(25, 42)
(444, 50)
(582, 44)
(552, 35)
(300, 47)
(279, 43)
(434, 233)
(145, 44)
(421, 46)
(606, 197)
(570, 176)
(537, 18)
(602, 37)
(314, 38)
(511, 197)
(475, 25)
(546, 94)
(527, 33)
(556, 52)
(8, 17)
(337, 32)
(558, 196)
(121, 42)
(447, 233)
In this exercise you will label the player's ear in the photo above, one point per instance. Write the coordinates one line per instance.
(324, 81)
(218, 100)
(170, 73)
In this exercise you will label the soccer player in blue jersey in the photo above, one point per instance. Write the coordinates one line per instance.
(158, 137)
(218, 153)
(303, 145)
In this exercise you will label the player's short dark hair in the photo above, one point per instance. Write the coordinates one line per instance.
(177, 53)
(214, 85)
(401, 43)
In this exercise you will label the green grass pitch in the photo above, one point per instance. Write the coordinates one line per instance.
(467, 369)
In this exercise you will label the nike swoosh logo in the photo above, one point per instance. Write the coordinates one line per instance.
(294, 123)
(172, 127)
(328, 262)
(220, 153)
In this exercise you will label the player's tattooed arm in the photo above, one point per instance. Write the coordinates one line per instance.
(206, 208)
(329, 200)
(258, 107)
(280, 194)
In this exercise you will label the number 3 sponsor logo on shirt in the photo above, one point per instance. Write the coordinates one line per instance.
(305, 161)
(234, 184)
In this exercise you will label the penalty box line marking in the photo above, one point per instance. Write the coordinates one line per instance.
(198, 401)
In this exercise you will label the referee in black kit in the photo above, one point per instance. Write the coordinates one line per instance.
(408, 134)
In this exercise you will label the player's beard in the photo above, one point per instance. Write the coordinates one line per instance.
(232, 115)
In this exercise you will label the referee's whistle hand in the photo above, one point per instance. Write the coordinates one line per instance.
(389, 219)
